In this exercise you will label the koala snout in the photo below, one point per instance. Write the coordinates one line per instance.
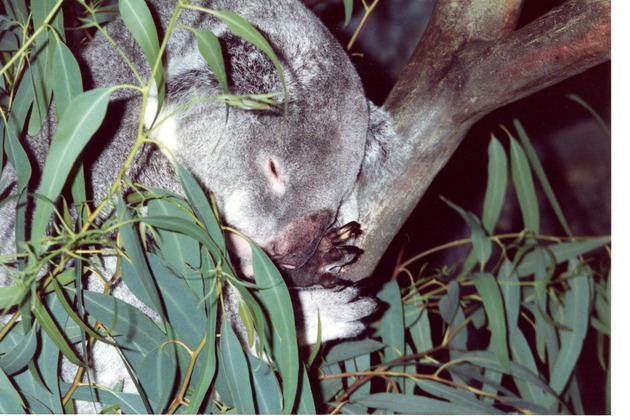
(298, 241)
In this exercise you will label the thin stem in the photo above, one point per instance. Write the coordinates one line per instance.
(30, 40)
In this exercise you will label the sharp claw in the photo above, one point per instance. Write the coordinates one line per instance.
(344, 233)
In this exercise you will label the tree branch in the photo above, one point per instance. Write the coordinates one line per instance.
(470, 62)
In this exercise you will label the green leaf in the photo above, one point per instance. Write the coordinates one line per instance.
(10, 401)
(136, 274)
(457, 396)
(412, 404)
(511, 292)
(206, 366)
(497, 184)
(351, 349)
(522, 354)
(449, 303)
(129, 403)
(51, 329)
(181, 306)
(347, 9)
(420, 332)
(306, 402)
(80, 121)
(202, 208)
(482, 245)
(561, 253)
(245, 30)
(18, 357)
(157, 376)
(42, 58)
(492, 300)
(392, 324)
(187, 227)
(542, 177)
(67, 82)
(575, 317)
(274, 295)
(138, 19)
(210, 49)
(524, 186)
(122, 318)
(267, 389)
(236, 370)
(180, 253)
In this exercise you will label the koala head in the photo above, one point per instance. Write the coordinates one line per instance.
(279, 178)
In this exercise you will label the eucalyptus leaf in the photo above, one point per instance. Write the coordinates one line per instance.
(122, 318)
(138, 19)
(236, 371)
(413, 404)
(77, 125)
(482, 245)
(536, 165)
(67, 82)
(16, 358)
(210, 49)
(181, 306)
(576, 319)
(562, 252)
(496, 185)
(274, 295)
(10, 401)
(157, 376)
(351, 349)
(524, 186)
(245, 30)
(266, 387)
(493, 303)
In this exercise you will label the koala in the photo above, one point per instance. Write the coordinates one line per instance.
(289, 181)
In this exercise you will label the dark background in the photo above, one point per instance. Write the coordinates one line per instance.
(574, 149)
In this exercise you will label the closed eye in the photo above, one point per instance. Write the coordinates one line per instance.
(275, 176)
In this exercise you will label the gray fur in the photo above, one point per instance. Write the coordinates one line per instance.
(282, 182)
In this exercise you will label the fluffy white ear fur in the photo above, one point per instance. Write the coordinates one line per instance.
(164, 129)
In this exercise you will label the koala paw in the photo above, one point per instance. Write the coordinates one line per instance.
(338, 311)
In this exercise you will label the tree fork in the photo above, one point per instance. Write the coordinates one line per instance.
(469, 62)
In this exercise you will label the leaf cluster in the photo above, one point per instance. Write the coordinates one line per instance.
(502, 331)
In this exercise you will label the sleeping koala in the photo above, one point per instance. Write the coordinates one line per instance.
(288, 182)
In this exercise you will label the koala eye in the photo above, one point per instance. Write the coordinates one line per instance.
(275, 176)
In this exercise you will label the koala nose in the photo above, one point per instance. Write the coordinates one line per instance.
(298, 241)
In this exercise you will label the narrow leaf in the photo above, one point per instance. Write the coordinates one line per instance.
(496, 186)
(524, 186)
(210, 49)
(67, 83)
(562, 253)
(236, 370)
(122, 318)
(18, 357)
(575, 317)
(10, 401)
(492, 300)
(275, 297)
(80, 121)
(51, 329)
(542, 177)
(482, 245)
(138, 19)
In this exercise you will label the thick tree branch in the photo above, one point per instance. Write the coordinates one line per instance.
(470, 62)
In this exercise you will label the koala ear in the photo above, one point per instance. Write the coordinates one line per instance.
(381, 154)
(165, 132)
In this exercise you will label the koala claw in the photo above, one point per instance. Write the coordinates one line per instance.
(344, 234)
(339, 311)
